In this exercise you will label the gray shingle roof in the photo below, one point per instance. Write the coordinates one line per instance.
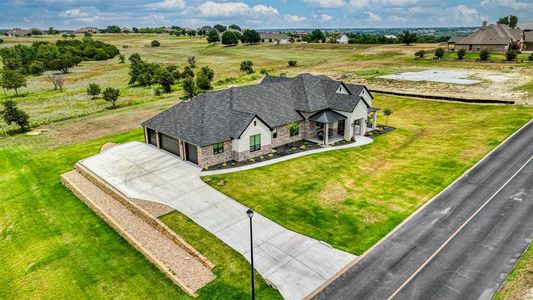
(327, 116)
(525, 25)
(528, 36)
(493, 34)
(222, 115)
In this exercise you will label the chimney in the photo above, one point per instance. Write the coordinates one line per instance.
(484, 25)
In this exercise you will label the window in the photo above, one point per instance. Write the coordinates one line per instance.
(294, 129)
(218, 148)
(255, 123)
(275, 133)
(255, 142)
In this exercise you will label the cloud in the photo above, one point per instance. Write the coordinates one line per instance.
(167, 4)
(295, 19)
(513, 4)
(74, 13)
(373, 17)
(357, 4)
(325, 3)
(325, 17)
(462, 14)
(231, 9)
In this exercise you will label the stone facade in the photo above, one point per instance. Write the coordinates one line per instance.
(240, 156)
(284, 137)
(207, 158)
(491, 48)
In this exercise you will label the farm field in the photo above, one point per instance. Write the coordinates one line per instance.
(353, 63)
(52, 246)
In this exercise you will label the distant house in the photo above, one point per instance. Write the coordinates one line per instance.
(527, 29)
(244, 122)
(125, 30)
(18, 32)
(391, 36)
(269, 37)
(342, 39)
(451, 42)
(87, 30)
(207, 28)
(493, 37)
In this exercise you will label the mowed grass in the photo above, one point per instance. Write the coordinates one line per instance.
(352, 198)
(54, 247)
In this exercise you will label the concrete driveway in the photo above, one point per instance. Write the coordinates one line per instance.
(293, 263)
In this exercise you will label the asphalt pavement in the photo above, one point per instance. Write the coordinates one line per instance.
(463, 244)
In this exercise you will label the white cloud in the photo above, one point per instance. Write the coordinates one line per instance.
(463, 14)
(325, 3)
(325, 17)
(394, 2)
(372, 16)
(231, 9)
(357, 4)
(295, 19)
(167, 4)
(74, 13)
(513, 4)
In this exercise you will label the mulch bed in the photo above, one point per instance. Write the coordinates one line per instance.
(290, 149)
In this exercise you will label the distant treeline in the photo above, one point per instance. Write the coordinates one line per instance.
(60, 56)
(365, 38)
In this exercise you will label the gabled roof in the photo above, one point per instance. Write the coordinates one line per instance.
(273, 35)
(327, 116)
(493, 34)
(223, 115)
(454, 39)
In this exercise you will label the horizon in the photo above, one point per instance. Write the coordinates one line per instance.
(256, 14)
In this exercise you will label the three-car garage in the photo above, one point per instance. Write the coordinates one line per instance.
(165, 142)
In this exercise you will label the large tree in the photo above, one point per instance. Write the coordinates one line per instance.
(229, 38)
(166, 80)
(220, 27)
(12, 114)
(235, 27)
(12, 80)
(317, 36)
(251, 37)
(407, 37)
(213, 37)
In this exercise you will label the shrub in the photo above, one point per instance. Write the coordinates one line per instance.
(461, 53)
(247, 66)
(166, 80)
(263, 72)
(111, 95)
(484, 54)
(510, 55)
(158, 91)
(192, 61)
(93, 90)
(420, 53)
(1, 41)
(101, 55)
(121, 58)
(530, 58)
(439, 53)
(292, 63)
(302, 147)
(155, 43)
(37, 68)
(204, 78)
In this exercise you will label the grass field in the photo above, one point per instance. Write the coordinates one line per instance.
(356, 63)
(352, 198)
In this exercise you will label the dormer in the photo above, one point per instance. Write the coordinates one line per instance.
(342, 89)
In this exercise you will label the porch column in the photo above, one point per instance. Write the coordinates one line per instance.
(375, 121)
(326, 134)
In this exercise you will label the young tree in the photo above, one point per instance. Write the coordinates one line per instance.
(187, 72)
(247, 66)
(229, 38)
(12, 114)
(213, 37)
(420, 53)
(292, 63)
(189, 87)
(317, 36)
(387, 112)
(439, 53)
(220, 28)
(204, 78)
(192, 61)
(407, 37)
(57, 81)
(121, 58)
(166, 80)
(111, 95)
(251, 37)
(484, 54)
(93, 90)
(12, 80)
(461, 53)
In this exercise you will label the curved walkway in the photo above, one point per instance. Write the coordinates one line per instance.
(360, 141)
(293, 263)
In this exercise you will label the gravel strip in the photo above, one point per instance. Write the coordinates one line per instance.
(155, 209)
(188, 269)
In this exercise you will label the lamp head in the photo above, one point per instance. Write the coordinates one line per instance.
(250, 213)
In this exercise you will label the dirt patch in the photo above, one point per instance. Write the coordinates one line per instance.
(333, 193)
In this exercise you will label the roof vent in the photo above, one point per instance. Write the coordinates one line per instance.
(484, 25)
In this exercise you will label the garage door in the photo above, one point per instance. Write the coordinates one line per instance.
(152, 137)
(192, 153)
(170, 144)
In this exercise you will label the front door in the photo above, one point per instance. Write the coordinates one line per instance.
(340, 127)
(192, 153)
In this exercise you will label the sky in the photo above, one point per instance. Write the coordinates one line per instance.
(259, 14)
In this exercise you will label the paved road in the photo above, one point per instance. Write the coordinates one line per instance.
(460, 246)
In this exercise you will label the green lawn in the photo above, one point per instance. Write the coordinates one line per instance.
(352, 198)
(475, 55)
(53, 247)
(520, 282)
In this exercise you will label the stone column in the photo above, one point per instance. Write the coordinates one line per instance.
(375, 121)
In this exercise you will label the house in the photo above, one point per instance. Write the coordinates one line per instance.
(241, 123)
(451, 42)
(527, 31)
(18, 32)
(125, 30)
(342, 39)
(89, 29)
(270, 37)
(493, 37)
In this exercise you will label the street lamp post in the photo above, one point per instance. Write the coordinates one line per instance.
(250, 214)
